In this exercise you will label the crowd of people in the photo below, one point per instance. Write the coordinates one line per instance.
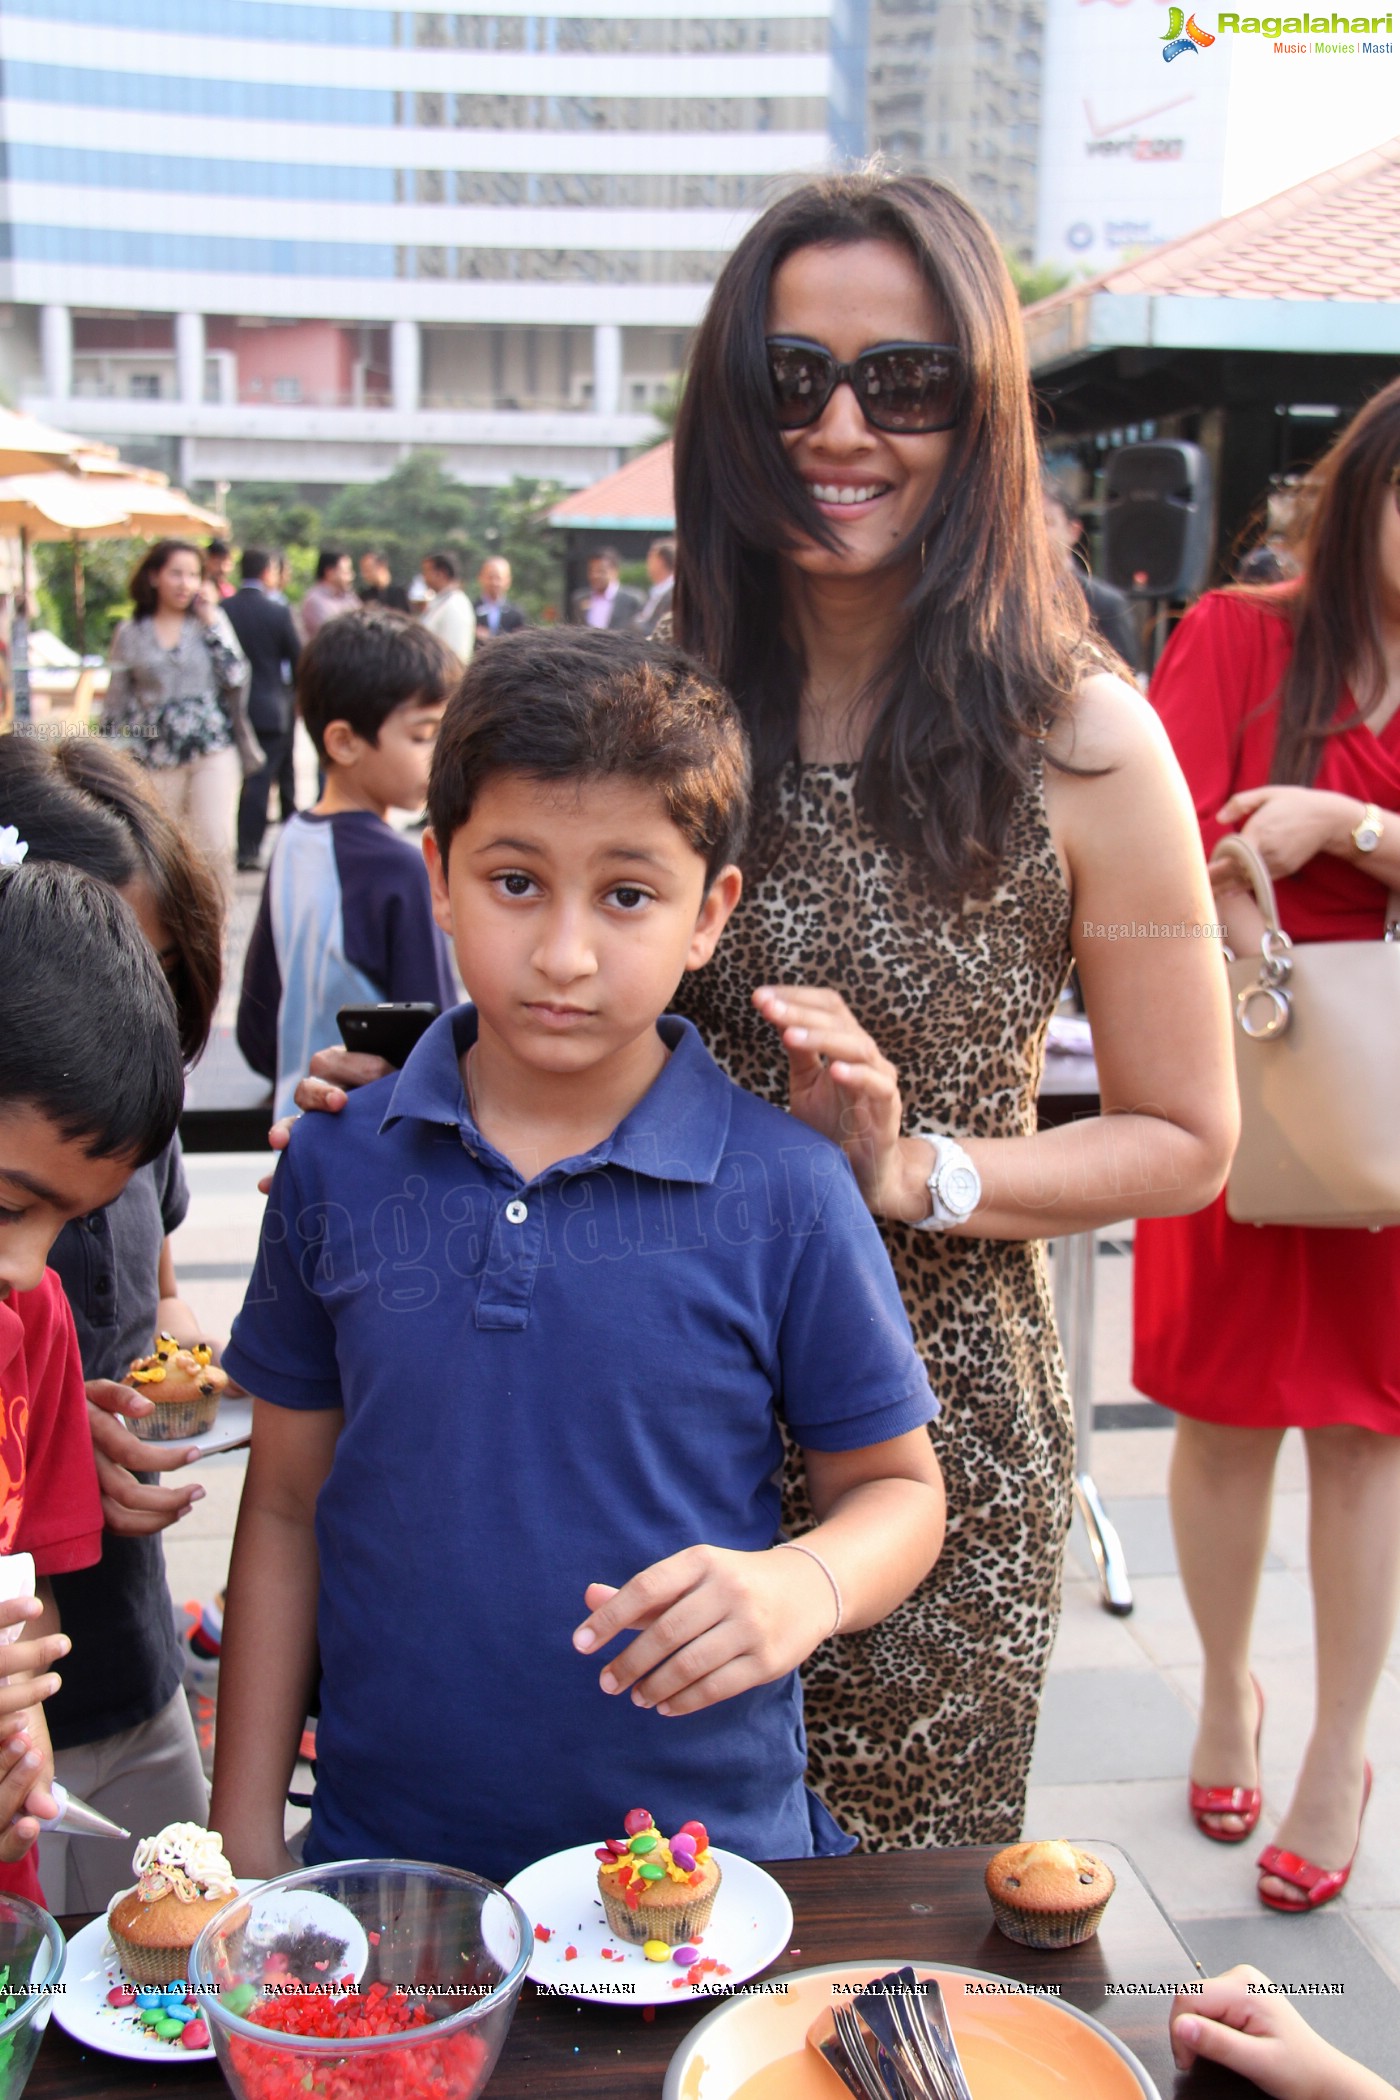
(203, 685)
(763, 887)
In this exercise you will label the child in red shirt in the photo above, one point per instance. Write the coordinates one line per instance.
(79, 1112)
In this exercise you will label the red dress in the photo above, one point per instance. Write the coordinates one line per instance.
(49, 1503)
(1272, 1326)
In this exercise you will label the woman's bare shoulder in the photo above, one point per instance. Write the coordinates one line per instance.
(1108, 724)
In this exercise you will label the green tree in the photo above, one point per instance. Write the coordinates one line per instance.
(420, 509)
(1035, 281)
(271, 514)
(106, 567)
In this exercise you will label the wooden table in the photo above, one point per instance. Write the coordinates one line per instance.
(923, 1906)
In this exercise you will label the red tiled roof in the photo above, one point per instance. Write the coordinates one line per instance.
(1336, 236)
(639, 497)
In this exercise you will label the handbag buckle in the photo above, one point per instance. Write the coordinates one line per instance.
(1278, 1014)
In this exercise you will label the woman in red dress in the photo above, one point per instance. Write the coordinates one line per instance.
(1284, 708)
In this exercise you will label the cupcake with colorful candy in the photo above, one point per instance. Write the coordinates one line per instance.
(184, 1882)
(186, 1386)
(657, 1890)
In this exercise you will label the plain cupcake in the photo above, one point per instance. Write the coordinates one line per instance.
(1048, 1894)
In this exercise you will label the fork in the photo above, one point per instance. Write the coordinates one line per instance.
(875, 2082)
(923, 2022)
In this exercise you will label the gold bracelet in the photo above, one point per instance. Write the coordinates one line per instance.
(797, 1546)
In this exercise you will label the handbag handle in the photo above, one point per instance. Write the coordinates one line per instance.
(1263, 1009)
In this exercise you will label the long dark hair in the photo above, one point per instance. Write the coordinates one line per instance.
(142, 586)
(994, 643)
(1334, 605)
(80, 803)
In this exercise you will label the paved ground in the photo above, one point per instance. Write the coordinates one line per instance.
(1117, 1724)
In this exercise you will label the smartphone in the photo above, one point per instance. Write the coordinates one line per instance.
(388, 1030)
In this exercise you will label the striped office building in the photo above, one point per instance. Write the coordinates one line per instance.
(280, 240)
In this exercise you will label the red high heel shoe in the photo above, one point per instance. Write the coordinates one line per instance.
(1244, 1801)
(1317, 1885)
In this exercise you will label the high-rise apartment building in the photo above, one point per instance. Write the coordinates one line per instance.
(280, 239)
(954, 91)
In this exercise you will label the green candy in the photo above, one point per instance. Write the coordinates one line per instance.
(652, 1873)
(644, 1841)
(169, 2028)
(152, 2015)
(240, 1997)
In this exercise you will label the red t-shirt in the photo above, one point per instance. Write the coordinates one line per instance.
(49, 1501)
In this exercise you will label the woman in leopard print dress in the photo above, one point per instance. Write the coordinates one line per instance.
(956, 799)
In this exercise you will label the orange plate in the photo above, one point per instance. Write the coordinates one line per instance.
(1012, 2047)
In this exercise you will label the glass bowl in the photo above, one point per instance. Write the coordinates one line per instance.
(32, 1953)
(336, 1953)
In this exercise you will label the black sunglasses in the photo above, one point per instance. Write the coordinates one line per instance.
(901, 387)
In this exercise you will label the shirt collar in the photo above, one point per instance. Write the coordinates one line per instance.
(676, 1132)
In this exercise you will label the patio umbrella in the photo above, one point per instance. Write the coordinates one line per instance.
(27, 447)
(52, 507)
(152, 508)
(105, 499)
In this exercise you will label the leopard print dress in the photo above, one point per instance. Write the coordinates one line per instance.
(920, 1730)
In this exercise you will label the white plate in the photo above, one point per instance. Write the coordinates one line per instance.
(81, 2007)
(752, 1924)
(230, 1430)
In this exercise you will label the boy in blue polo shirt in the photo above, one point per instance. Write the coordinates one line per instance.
(525, 1319)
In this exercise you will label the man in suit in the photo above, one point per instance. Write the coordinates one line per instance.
(605, 603)
(494, 612)
(264, 628)
(661, 572)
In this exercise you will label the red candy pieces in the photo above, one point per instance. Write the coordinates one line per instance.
(636, 1820)
(700, 1834)
(544, 1932)
(571, 1954)
(424, 2070)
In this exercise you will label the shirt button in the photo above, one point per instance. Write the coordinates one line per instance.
(517, 1212)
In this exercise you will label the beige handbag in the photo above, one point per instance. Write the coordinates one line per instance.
(1317, 1057)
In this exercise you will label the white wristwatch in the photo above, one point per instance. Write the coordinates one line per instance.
(954, 1186)
(1367, 835)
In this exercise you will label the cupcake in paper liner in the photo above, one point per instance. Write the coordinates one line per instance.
(186, 1386)
(184, 1882)
(657, 1888)
(1048, 1894)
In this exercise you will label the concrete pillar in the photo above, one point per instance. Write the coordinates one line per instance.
(56, 347)
(607, 368)
(189, 358)
(406, 366)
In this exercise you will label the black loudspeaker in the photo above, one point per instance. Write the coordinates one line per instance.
(1157, 519)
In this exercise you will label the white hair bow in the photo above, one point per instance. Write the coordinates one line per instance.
(12, 847)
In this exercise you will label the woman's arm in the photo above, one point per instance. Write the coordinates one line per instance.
(1287, 826)
(1145, 940)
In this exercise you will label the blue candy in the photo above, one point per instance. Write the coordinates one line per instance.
(147, 1998)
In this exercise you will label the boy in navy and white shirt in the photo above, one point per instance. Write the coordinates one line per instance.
(346, 915)
(526, 1319)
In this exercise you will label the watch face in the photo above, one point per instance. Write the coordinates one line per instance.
(960, 1188)
(1366, 837)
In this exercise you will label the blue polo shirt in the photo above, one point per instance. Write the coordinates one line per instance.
(546, 1384)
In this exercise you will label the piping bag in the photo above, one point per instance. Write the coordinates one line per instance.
(76, 1819)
